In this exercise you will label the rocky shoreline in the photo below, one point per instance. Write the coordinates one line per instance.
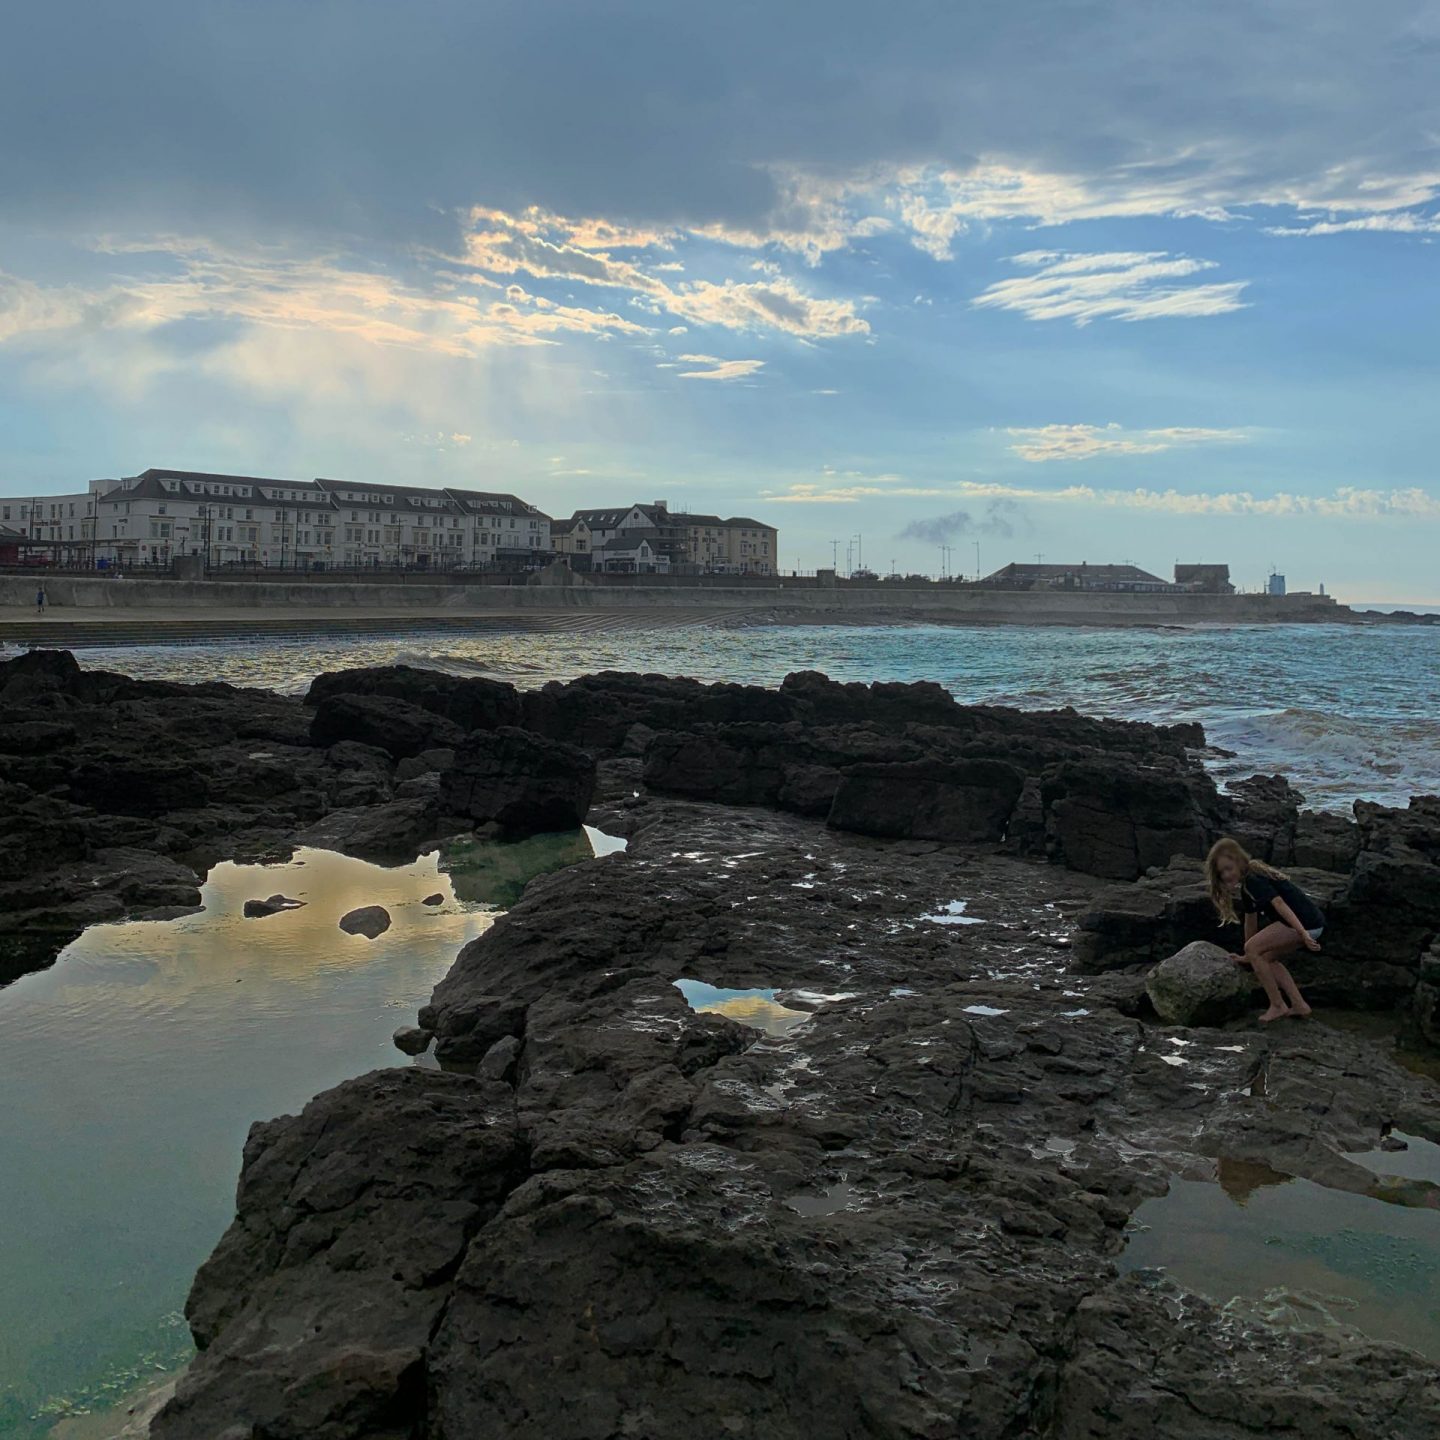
(609, 1214)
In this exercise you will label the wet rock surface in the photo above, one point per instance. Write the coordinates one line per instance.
(610, 1214)
(984, 1117)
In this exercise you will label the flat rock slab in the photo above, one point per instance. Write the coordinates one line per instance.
(370, 921)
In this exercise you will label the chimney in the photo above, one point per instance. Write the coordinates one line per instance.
(661, 505)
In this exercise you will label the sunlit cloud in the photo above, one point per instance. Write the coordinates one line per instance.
(1083, 442)
(1403, 223)
(538, 245)
(717, 369)
(1113, 285)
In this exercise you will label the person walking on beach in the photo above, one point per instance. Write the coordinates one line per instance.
(1280, 918)
(40, 600)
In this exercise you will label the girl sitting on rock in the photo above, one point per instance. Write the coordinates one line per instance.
(1280, 918)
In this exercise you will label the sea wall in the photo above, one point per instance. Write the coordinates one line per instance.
(930, 603)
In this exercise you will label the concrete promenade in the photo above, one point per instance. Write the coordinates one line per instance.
(98, 611)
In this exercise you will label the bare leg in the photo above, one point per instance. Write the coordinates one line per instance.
(1290, 989)
(1265, 952)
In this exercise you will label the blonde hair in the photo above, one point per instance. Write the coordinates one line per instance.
(1227, 848)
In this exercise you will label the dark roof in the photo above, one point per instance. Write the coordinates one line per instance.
(383, 496)
(149, 485)
(745, 520)
(495, 502)
(564, 527)
(630, 540)
(1090, 572)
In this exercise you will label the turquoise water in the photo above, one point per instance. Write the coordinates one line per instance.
(1294, 1253)
(1346, 711)
(132, 1069)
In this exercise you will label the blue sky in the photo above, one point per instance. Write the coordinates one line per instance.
(1094, 281)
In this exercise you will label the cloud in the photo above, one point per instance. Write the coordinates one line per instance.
(1345, 502)
(977, 115)
(1115, 285)
(1001, 518)
(538, 244)
(718, 369)
(1404, 222)
(1084, 442)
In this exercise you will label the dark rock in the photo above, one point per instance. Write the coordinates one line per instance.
(1115, 819)
(397, 727)
(350, 1233)
(427, 762)
(471, 702)
(412, 1040)
(125, 783)
(968, 801)
(397, 830)
(498, 1062)
(1200, 985)
(272, 905)
(1325, 841)
(527, 784)
(35, 737)
(952, 1120)
(1263, 815)
(370, 921)
(436, 899)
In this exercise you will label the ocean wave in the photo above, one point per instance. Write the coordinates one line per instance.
(1333, 758)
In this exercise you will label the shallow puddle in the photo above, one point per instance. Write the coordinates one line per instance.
(953, 913)
(756, 1008)
(131, 1070)
(840, 1196)
(1298, 1254)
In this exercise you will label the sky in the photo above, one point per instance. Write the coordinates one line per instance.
(928, 284)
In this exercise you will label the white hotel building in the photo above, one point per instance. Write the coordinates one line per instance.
(235, 520)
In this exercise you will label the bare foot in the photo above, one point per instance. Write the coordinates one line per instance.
(1300, 1011)
(1273, 1014)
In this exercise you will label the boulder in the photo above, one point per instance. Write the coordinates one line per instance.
(522, 782)
(1200, 985)
(437, 898)
(370, 921)
(271, 905)
(398, 727)
(412, 1040)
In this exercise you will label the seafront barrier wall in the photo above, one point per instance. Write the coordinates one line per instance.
(92, 598)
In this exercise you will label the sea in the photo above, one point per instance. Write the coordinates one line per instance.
(133, 1067)
(1347, 712)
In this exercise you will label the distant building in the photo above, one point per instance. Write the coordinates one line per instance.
(1083, 576)
(1275, 585)
(153, 517)
(1205, 579)
(685, 542)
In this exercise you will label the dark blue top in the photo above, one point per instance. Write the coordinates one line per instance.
(1259, 893)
